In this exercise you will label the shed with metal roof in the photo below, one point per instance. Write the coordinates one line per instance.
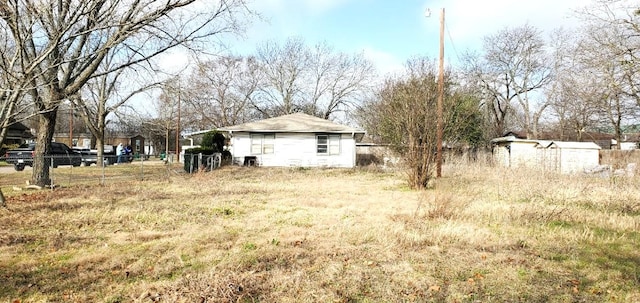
(573, 157)
(555, 156)
(510, 151)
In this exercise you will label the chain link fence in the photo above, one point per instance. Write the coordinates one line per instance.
(68, 172)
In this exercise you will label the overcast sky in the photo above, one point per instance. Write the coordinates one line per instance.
(390, 32)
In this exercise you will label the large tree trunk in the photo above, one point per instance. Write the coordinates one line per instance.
(41, 163)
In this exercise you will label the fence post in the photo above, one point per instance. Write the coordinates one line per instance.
(141, 168)
(104, 166)
(71, 172)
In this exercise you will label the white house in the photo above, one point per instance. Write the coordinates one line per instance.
(293, 140)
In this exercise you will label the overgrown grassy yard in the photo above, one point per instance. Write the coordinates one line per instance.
(298, 235)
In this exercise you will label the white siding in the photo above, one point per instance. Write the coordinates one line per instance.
(294, 149)
(501, 155)
(516, 154)
(523, 154)
(557, 156)
(574, 160)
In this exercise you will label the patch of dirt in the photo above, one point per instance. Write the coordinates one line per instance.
(39, 195)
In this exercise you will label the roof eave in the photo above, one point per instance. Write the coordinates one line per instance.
(292, 131)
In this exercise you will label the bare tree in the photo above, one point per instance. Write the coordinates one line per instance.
(283, 71)
(574, 103)
(63, 43)
(614, 26)
(318, 81)
(167, 111)
(340, 80)
(106, 93)
(509, 72)
(572, 93)
(219, 92)
(69, 120)
(14, 105)
(608, 52)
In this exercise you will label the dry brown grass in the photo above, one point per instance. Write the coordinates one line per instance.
(311, 235)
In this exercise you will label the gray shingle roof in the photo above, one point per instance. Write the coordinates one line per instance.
(293, 123)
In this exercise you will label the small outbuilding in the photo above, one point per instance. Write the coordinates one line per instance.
(573, 157)
(511, 151)
(137, 145)
(556, 156)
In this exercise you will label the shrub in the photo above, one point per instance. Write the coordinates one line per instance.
(200, 150)
(213, 140)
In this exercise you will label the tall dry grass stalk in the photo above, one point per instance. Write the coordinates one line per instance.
(482, 234)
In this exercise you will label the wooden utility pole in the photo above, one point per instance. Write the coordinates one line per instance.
(71, 124)
(439, 121)
(178, 128)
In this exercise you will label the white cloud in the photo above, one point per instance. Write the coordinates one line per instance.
(284, 8)
(385, 63)
(173, 61)
(468, 21)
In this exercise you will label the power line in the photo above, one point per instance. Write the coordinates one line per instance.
(451, 40)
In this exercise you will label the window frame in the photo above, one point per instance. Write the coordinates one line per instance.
(331, 145)
(265, 141)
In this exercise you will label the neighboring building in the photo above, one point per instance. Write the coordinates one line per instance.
(18, 133)
(293, 140)
(79, 139)
(137, 142)
(556, 156)
(625, 145)
(137, 145)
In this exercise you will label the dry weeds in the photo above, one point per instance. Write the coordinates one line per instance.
(312, 235)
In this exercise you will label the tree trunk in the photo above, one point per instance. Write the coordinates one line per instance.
(3, 203)
(99, 137)
(100, 154)
(41, 163)
(93, 141)
(3, 131)
(166, 146)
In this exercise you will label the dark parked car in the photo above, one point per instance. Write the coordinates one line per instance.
(90, 156)
(60, 154)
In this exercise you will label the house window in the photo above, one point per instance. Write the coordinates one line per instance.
(328, 144)
(262, 143)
